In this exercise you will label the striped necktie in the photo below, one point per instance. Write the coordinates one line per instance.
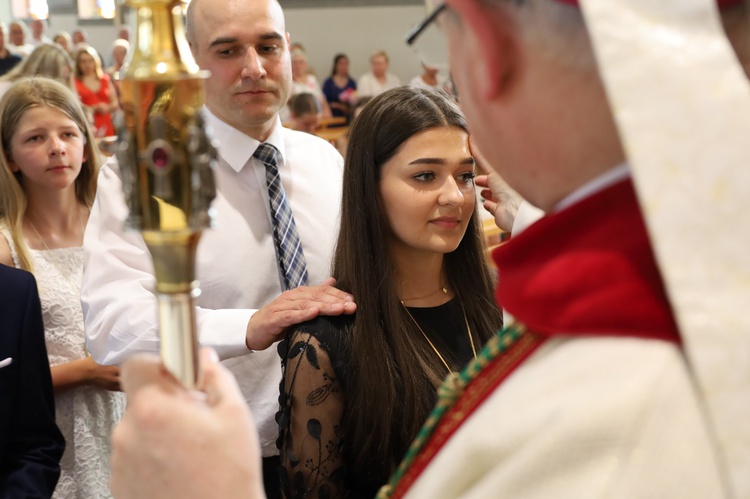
(288, 246)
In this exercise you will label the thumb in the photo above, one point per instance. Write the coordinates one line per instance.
(331, 281)
(217, 382)
(144, 370)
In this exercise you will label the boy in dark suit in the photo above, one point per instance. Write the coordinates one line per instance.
(30, 442)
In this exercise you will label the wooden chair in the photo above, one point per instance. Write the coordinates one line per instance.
(332, 122)
(327, 129)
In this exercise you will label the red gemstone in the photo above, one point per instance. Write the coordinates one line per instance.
(160, 157)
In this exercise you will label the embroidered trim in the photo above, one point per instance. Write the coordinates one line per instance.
(502, 353)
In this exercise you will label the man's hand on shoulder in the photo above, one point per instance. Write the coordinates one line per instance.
(268, 325)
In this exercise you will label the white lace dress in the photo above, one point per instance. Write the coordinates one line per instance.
(87, 415)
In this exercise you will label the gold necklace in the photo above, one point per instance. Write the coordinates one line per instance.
(441, 288)
(468, 330)
(80, 222)
(39, 236)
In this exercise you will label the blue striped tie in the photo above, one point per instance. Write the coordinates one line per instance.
(288, 246)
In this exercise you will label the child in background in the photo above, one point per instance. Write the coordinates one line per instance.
(304, 113)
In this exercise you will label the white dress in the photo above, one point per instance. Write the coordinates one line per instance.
(86, 415)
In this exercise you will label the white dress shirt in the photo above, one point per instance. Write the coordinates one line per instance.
(369, 85)
(42, 41)
(237, 265)
(23, 51)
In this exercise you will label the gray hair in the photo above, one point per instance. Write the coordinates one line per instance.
(121, 42)
(559, 30)
(20, 23)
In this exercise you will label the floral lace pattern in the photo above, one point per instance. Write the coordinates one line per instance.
(87, 415)
(310, 433)
(316, 455)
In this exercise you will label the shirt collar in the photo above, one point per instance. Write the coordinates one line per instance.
(237, 148)
(606, 179)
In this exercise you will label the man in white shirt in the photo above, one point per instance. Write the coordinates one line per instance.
(378, 80)
(241, 310)
(38, 27)
(17, 33)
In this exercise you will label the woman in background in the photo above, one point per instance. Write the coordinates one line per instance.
(95, 89)
(304, 115)
(340, 89)
(63, 39)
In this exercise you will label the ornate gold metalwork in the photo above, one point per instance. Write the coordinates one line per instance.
(166, 159)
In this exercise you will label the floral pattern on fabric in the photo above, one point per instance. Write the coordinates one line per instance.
(310, 433)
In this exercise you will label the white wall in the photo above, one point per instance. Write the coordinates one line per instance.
(355, 31)
(100, 36)
(5, 12)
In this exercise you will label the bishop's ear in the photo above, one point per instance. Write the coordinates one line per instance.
(490, 42)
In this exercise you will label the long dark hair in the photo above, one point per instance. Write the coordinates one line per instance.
(336, 60)
(396, 372)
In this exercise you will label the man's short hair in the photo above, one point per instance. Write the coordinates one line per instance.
(560, 30)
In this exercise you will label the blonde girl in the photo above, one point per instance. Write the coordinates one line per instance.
(48, 60)
(48, 168)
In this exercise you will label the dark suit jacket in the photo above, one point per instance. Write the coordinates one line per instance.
(30, 442)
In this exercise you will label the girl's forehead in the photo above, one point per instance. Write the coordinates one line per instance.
(43, 115)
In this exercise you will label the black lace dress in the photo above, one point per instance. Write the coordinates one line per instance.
(312, 441)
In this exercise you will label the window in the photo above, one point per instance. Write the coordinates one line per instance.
(97, 9)
(30, 9)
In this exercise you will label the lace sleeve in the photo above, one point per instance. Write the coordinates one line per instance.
(312, 405)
